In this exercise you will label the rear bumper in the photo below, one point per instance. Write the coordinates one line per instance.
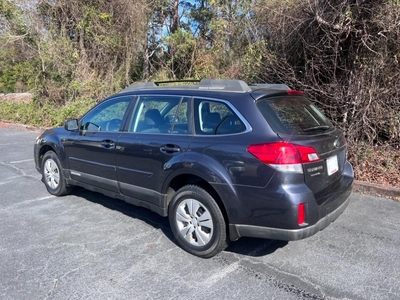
(238, 230)
(320, 216)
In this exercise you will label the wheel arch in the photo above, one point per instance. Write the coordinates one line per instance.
(43, 150)
(183, 179)
(49, 144)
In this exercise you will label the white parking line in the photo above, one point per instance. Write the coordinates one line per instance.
(19, 143)
(20, 161)
(23, 202)
(42, 198)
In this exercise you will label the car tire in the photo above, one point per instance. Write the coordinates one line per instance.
(52, 175)
(197, 222)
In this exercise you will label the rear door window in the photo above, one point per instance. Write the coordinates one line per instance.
(161, 114)
(293, 115)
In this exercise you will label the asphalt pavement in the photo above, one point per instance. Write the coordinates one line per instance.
(88, 246)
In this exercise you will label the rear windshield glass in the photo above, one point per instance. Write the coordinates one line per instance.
(293, 115)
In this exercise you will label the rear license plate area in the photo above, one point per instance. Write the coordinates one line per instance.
(332, 165)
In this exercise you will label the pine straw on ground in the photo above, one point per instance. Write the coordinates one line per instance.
(379, 165)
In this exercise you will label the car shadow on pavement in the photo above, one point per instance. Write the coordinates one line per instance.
(255, 247)
(245, 246)
(137, 212)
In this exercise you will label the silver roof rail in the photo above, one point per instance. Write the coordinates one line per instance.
(270, 86)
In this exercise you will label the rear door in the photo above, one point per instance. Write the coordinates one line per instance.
(158, 137)
(298, 121)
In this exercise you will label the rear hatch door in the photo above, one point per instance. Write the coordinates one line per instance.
(296, 120)
(324, 175)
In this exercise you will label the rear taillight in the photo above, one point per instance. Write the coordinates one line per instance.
(301, 214)
(284, 157)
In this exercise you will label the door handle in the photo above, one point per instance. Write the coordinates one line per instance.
(107, 144)
(170, 149)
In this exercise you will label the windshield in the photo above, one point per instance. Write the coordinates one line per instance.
(293, 115)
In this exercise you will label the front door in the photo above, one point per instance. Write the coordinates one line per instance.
(91, 156)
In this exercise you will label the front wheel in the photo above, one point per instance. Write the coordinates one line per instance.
(52, 175)
(197, 222)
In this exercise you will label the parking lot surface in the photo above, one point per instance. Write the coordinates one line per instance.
(88, 246)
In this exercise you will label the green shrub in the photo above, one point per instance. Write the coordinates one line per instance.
(42, 115)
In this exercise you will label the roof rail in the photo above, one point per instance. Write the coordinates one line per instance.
(204, 84)
(271, 86)
(151, 84)
(176, 81)
(224, 84)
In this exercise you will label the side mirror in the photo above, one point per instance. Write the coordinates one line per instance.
(71, 125)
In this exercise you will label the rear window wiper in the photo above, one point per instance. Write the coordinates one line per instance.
(320, 127)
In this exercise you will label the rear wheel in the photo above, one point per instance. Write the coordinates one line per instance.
(52, 175)
(197, 222)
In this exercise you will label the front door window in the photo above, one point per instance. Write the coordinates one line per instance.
(107, 116)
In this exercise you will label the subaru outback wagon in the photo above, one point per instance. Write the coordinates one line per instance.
(221, 159)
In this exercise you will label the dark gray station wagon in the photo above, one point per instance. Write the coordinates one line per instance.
(220, 158)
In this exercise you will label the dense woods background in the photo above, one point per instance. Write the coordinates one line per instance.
(344, 53)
